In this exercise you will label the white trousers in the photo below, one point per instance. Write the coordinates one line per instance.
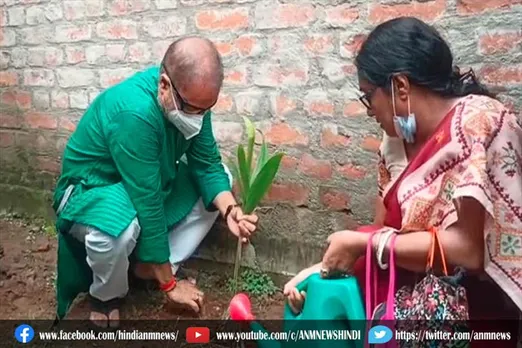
(108, 257)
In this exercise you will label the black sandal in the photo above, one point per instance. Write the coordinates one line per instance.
(105, 307)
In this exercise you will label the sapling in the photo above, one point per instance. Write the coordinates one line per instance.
(254, 181)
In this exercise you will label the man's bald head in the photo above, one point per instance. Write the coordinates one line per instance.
(193, 60)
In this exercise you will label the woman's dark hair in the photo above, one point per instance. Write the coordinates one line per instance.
(409, 46)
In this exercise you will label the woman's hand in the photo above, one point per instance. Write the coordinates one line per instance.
(344, 248)
(294, 297)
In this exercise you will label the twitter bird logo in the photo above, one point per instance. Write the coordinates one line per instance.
(379, 334)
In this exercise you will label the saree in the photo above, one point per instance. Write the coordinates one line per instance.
(476, 151)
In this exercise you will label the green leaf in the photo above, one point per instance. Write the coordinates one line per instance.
(262, 183)
(262, 157)
(235, 173)
(251, 135)
(244, 172)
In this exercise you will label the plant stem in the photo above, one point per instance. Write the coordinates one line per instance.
(237, 263)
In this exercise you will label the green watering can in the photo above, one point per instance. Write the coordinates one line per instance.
(333, 316)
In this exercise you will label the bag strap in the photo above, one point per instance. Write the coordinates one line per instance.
(390, 300)
(370, 271)
(431, 255)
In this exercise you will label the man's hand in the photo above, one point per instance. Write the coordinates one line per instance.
(242, 225)
(187, 294)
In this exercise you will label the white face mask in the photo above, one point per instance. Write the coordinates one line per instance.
(189, 125)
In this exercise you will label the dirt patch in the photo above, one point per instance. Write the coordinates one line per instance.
(27, 275)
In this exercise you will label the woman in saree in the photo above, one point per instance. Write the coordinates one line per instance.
(451, 158)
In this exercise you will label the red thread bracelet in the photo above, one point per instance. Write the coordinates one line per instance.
(168, 286)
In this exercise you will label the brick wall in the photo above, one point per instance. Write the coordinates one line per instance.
(289, 66)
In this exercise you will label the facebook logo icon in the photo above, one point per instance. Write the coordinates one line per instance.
(24, 333)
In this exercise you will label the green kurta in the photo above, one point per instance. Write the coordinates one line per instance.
(125, 160)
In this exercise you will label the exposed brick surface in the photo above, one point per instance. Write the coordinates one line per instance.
(289, 65)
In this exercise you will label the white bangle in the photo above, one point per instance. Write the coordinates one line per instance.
(383, 241)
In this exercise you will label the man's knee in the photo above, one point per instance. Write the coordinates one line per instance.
(105, 246)
(229, 173)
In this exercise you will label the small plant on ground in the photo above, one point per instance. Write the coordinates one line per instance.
(253, 282)
(254, 181)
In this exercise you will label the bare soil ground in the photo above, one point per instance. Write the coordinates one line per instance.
(27, 275)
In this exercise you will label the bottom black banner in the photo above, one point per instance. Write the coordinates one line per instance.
(265, 334)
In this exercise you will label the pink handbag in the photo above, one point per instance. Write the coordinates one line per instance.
(383, 314)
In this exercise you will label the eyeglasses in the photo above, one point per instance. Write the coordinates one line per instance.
(366, 98)
(182, 103)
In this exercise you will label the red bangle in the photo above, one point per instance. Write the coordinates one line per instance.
(168, 286)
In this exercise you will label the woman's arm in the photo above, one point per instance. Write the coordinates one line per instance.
(380, 211)
(463, 242)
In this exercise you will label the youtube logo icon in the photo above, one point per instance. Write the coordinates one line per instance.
(198, 335)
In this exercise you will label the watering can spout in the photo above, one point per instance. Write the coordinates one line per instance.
(240, 309)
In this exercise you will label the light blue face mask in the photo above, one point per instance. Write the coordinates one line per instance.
(405, 126)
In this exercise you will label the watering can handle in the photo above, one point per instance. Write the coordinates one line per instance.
(302, 286)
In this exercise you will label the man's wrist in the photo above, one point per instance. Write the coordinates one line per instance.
(163, 273)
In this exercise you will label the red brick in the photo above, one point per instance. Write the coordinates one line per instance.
(19, 99)
(124, 7)
(427, 11)
(77, 9)
(289, 163)
(139, 52)
(48, 164)
(271, 75)
(74, 55)
(39, 77)
(72, 33)
(236, 77)
(319, 43)
(165, 27)
(283, 134)
(7, 38)
(116, 52)
(158, 49)
(343, 221)
(283, 105)
(224, 48)
(371, 143)
(352, 172)
(117, 30)
(466, 7)
(224, 104)
(501, 75)
(248, 45)
(40, 120)
(10, 121)
(67, 124)
(248, 102)
(318, 104)
(334, 199)
(354, 108)
(230, 132)
(320, 169)
(284, 15)
(341, 15)
(331, 138)
(8, 78)
(60, 99)
(6, 139)
(289, 192)
(502, 42)
(351, 45)
(110, 77)
(222, 19)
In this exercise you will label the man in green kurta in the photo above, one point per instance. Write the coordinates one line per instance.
(142, 178)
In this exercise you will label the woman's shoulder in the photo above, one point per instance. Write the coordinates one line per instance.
(482, 116)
